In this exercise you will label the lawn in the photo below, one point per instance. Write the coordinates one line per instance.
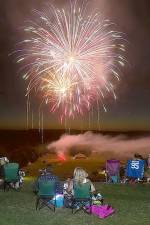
(91, 165)
(132, 204)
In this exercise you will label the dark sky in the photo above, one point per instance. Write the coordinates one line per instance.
(131, 111)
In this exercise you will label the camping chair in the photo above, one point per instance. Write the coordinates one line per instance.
(82, 196)
(112, 171)
(135, 169)
(46, 195)
(11, 175)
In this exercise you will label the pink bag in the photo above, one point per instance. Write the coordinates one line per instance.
(102, 211)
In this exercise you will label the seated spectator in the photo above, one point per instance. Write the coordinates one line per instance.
(137, 156)
(80, 177)
(67, 194)
(47, 174)
(3, 161)
(21, 176)
(147, 170)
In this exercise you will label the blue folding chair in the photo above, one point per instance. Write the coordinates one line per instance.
(135, 169)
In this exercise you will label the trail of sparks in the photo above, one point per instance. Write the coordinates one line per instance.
(71, 58)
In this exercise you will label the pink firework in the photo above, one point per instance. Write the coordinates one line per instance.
(71, 58)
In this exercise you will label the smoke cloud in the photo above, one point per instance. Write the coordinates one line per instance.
(120, 145)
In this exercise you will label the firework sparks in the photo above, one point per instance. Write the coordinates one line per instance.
(72, 58)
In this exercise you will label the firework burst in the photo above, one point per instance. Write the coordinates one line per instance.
(71, 58)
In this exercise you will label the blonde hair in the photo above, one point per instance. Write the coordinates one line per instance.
(79, 175)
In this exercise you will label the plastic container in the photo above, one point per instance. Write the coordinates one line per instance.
(59, 201)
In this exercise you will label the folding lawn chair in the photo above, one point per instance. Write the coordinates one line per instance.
(11, 175)
(135, 169)
(112, 171)
(82, 197)
(46, 195)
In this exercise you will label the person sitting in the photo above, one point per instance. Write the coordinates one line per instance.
(137, 156)
(3, 161)
(67, 193)
(147, 169)
(47, 174)
(21, 176)
(79, 177)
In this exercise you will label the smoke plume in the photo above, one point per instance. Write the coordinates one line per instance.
(120, 145)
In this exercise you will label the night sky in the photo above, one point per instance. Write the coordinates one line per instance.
(131, 111)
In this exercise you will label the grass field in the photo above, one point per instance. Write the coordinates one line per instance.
(131, 202)
(68, 166)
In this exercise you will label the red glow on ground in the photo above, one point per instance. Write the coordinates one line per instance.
(61, 157)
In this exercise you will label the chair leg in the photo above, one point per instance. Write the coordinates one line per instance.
(55, 204)
(82, 206)
(42, 203)
(6, 186)
(37, 202)
(90, 212)
(72, 205)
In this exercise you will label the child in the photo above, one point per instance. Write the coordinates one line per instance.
(67, 194)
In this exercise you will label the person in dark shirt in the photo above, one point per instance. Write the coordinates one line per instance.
(47, 174)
